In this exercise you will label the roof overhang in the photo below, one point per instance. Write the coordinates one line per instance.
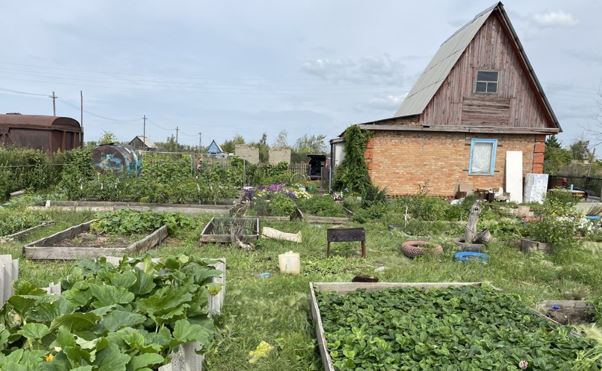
(461, 129)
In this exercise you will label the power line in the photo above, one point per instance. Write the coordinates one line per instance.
(24, 92)
(96, 114)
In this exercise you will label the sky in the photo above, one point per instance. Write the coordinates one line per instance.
(225, 67)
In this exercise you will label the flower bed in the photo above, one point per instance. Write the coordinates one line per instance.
(431, 326)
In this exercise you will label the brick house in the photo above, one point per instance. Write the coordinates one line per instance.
(477, 99)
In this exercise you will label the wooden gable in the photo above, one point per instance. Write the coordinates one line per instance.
(518, 102)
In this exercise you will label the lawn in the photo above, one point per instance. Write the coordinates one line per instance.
(276, 310)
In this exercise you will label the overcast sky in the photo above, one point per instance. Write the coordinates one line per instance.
(248, 67)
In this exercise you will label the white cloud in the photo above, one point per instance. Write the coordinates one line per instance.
(557, 18)
(371, 69)
(387, 102)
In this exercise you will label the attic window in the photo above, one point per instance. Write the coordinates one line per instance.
(486, 82)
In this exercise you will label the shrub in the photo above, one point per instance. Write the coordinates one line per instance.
(281, 204)
(323, 205)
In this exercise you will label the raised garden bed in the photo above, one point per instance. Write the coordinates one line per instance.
(527, 245)
(435, 326)
(23, 233)
(221, 230)
(77, 242)
(218, 208)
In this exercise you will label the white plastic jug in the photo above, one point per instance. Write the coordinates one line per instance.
(289, 262)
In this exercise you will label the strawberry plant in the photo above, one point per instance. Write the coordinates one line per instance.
(467, 328)
(109, 318)
(127, 222)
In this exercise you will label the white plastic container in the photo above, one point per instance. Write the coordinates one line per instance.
(289, 262)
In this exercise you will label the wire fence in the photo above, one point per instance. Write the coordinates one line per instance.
(591, 185)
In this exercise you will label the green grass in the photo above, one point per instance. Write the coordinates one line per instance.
(276, 309)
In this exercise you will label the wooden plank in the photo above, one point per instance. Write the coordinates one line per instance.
(21, 234)
(319, 329)
(62, 235)
(69, 253)
(345, 234)
(314, 219)
(149, 241)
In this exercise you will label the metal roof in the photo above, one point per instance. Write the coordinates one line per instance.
(440, 66)
(145, 140)
(39, 121)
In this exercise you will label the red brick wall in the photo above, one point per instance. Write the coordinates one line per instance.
(402, 162)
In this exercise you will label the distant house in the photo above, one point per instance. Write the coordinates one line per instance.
(477, 100)
(214, 149)
(46, 133)
(142, 143)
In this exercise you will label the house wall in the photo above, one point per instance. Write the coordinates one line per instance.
(516, 104)
(402, 162)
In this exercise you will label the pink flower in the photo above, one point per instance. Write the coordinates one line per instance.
(523, 365)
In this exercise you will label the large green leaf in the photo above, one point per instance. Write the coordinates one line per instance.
(185, 332)
(34, 331)
(76, 321)
(107, 295)
(142, 361)
(112, 358)
(4, 334)
(126, 279)
(144, 283)
(119, 318)
(165, 303)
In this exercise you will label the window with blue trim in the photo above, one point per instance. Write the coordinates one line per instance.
(482, 156)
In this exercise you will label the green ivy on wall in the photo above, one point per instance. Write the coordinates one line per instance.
(352, 174)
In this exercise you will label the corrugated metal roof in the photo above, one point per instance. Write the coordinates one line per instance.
(440, 66)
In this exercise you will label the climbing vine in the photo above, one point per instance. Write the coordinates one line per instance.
(352, 174)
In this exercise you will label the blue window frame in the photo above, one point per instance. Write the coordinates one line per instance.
(482, 156)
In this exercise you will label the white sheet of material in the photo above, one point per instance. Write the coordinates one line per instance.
(536, 186)
(514, 175)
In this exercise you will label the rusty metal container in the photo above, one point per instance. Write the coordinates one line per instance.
(117, 159)
(47, 133)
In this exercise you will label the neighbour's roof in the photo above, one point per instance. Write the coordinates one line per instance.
(147, 142)
(214, 148)
(41, 121)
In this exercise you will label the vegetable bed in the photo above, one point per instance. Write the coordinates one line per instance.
(78, 242)
(438, 326)
(138, 315)
(15, 223)
(221, 230)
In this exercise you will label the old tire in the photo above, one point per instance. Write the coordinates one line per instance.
(413, 249)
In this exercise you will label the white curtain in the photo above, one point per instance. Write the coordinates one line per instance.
(481, 158)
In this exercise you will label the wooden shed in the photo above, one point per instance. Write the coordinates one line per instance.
(46, 133)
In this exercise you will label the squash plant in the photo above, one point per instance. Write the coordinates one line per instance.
(109, 318)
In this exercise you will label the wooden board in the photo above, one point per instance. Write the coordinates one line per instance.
(22, 234)
(217, 209)
(207, 235)
(514, 175)
(46, 249)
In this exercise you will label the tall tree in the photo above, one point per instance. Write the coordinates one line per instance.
(281, 140)
(108, 138)
(555, 157)
(580, 150)
(311, 144)
(229, 145)
(264, 148)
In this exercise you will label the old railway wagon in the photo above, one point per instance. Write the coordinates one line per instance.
(46, 133)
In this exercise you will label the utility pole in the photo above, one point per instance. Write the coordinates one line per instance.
(177, 129)
(200, 137)
(81, 114)
(53, 96)
(144, 128)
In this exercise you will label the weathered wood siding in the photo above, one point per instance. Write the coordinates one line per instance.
(516, 103)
